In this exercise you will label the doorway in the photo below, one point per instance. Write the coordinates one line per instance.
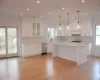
(8, 42)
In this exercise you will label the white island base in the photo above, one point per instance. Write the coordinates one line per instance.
(76, 52)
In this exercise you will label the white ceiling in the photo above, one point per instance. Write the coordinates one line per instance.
(15, 7)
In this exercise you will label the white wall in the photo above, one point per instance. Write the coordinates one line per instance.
(7, 20)
(95, 21)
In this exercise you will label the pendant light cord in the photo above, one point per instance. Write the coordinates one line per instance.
(78, 16)
(68, 18)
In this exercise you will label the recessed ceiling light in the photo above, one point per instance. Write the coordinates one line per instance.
(28, 9)
(21, 13)
(63, 8)
(62, 19)
(40, 16)
(72, 17)
(38, 1)
(49, 12)
(83, 1)
(86, 14)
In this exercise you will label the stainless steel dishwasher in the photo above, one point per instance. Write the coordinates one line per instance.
(44, 48)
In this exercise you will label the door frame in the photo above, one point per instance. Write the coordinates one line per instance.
(6, 43)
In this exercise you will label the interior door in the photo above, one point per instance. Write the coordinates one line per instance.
(2, 42)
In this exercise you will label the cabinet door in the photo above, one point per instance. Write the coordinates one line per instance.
(36, 29)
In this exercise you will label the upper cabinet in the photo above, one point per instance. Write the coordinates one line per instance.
(36, 29)
(31, 28)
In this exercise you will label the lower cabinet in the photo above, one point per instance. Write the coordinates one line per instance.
(29, 50)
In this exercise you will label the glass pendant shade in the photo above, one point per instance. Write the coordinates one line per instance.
(68, 27)
(78, 27)
(78, 23)
(60, 27)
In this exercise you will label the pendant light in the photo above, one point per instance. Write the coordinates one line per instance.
(68, 22)
(78, 23)
(60, 28)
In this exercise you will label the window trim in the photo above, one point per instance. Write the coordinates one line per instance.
(96, 35)
(49, 33)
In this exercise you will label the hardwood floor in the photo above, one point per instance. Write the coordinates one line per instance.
(47, 68)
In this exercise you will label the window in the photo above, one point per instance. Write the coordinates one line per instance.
(98, 35)
(51, 32)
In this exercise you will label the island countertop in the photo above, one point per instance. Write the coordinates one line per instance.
(71, 44)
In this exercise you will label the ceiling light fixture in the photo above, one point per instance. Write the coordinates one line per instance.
(28, 9)
(21, 13)
(83, 1)
(40, 16)
(49, 12)
(86, 14)
(60, 27)
(38, 2)
(78, 27)
(68, 22)
(63, 8)
(62, 19)
(72, 17)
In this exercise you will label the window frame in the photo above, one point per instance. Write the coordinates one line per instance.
(96, 35)
(50, 32)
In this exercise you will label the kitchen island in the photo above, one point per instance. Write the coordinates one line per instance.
(76, 52)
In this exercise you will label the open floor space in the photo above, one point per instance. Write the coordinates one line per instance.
(47, 68)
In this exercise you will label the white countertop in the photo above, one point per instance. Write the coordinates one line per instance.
(70, 44)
